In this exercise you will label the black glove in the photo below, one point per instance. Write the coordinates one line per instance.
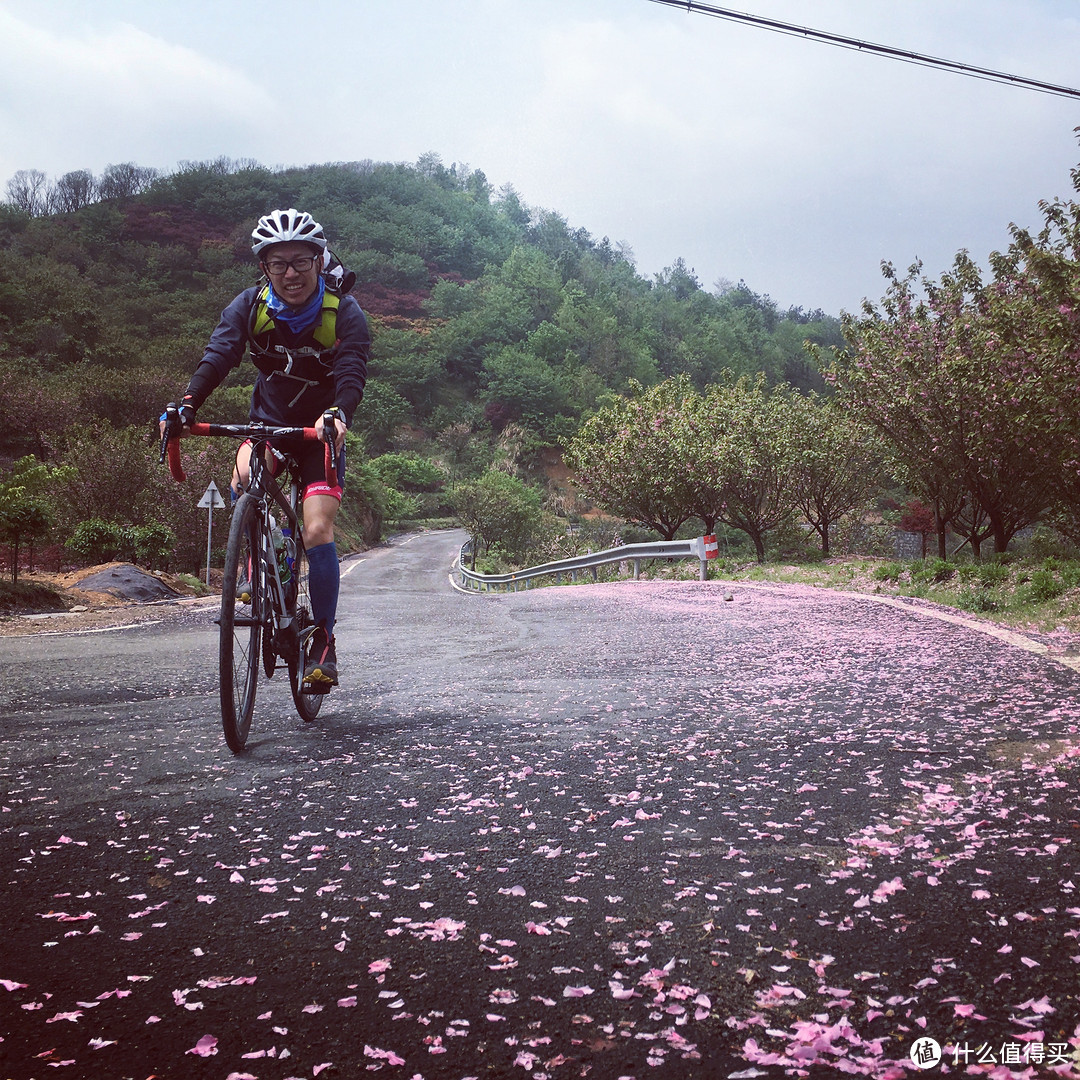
(185, 414)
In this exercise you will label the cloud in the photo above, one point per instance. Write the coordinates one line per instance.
(755, 155)
(90, 98)
(794, 165)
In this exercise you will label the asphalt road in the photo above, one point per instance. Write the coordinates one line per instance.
(630, 830)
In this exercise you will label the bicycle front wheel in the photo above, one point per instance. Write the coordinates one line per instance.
(243, 603)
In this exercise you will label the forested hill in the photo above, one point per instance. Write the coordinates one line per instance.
(485, 311)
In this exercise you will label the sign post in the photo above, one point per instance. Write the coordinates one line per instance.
(212, 500)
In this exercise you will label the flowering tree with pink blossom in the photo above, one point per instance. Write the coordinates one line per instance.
(839, 463)
(740, 455)
(976, 384)
(1033, 308)
(966, 416)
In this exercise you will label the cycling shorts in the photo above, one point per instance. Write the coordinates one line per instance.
(311, 457)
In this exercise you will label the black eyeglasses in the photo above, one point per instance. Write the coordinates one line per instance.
(302, 265)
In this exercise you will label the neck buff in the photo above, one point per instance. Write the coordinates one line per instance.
(296, 319)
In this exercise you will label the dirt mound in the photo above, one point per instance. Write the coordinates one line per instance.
(127, 582)
(92, 598)
(111, 584)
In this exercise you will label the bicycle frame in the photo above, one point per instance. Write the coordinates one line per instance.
(266, 489)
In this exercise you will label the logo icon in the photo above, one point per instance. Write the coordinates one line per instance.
(925, 1053)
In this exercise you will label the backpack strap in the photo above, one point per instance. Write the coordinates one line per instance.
(261, 322)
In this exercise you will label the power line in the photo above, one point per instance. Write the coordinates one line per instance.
(868, 46)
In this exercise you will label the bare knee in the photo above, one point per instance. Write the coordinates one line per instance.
(242, 468)
(316, 534)
(319, 514)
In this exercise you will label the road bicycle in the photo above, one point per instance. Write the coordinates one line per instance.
(265, 606)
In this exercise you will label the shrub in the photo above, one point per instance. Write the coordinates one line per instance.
(501, 511)
(95, 540)
(888, 572)
(976, 600)
(106, 541)
(993, 573)
(933, 572)
(148, 544)
(1044, 586)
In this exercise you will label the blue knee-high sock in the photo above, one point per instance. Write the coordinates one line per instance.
(324, 580)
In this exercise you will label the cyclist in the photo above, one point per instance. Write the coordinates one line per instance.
(311, 346)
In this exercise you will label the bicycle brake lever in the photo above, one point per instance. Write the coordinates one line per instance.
(172, 418)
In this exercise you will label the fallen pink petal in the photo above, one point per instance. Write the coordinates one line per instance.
(205, 1047)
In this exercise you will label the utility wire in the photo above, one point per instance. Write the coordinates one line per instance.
(868, 46)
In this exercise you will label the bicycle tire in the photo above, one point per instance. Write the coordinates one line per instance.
(240, 623)
(307, 705)
(269, 653)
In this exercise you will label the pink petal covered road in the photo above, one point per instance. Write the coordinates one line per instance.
(610, 831)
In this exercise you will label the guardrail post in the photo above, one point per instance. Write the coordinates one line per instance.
(637, 569)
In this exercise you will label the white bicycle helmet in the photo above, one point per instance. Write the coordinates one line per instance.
(281, 226)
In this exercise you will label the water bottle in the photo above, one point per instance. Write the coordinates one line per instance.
(289, 552)
(283, 561)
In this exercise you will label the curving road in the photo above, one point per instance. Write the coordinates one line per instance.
(610, 831)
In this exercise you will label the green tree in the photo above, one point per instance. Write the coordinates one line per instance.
(627, 458)
(382, 412)
(408, 472)
(742, 459)
(22, 519)
(525, 387)
(499, 511)
(26, 508)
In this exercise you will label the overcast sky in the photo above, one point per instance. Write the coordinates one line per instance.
(792, 165)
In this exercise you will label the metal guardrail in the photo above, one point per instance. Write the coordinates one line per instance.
(570, 568)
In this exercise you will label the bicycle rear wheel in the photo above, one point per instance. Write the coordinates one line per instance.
(241, 622)
(307, 705)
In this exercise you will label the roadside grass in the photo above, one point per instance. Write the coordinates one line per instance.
(1041, 594)
(1024, 592)
(29, 596)
(196, 584)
